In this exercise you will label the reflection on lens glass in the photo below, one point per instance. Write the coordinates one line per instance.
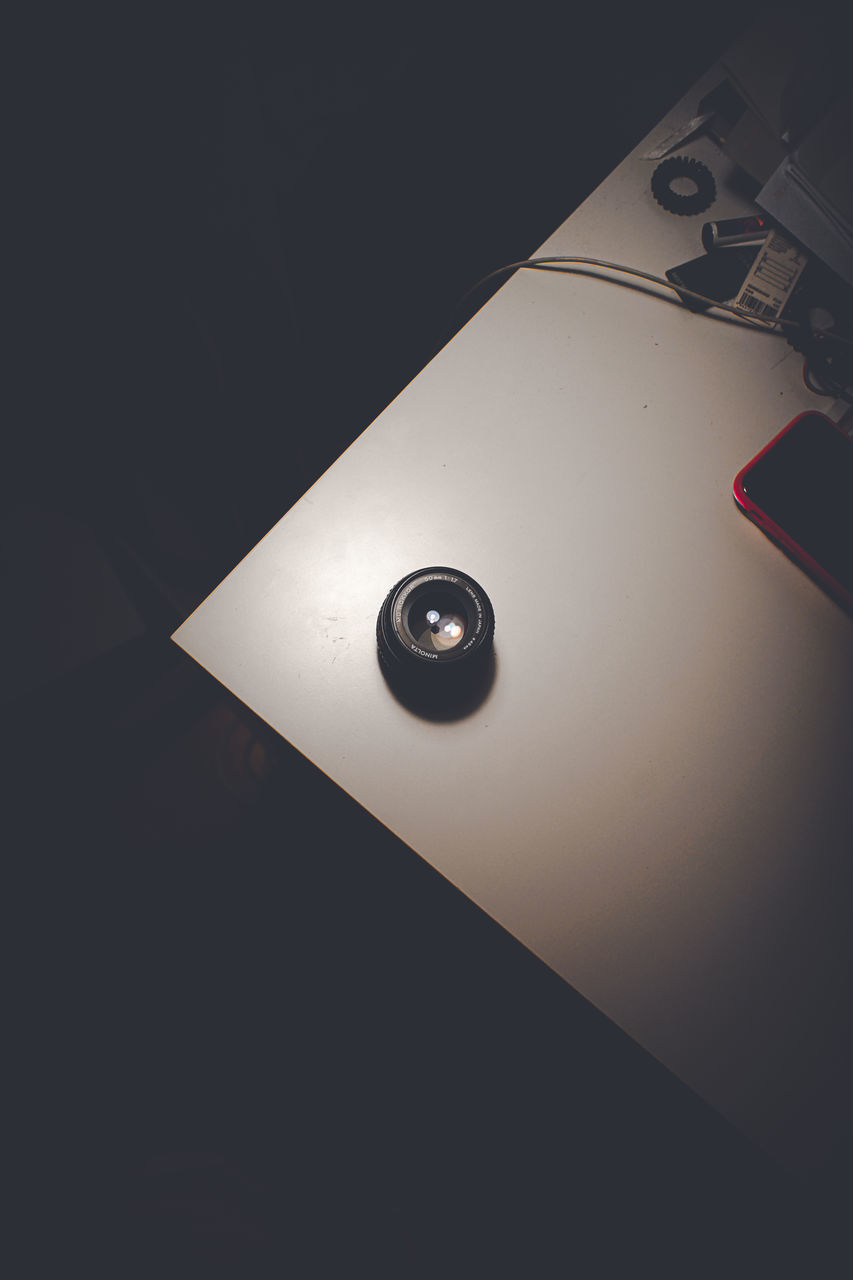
(447, 631)
(438, 623)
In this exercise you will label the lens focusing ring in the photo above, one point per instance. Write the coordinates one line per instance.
(435, 627)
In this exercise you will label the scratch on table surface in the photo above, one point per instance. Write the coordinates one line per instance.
(782, 358)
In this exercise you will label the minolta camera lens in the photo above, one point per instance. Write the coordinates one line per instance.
(435, 629)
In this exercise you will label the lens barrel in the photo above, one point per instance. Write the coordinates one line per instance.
(435, 629)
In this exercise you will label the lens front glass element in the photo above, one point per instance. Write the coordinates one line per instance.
(436, 619)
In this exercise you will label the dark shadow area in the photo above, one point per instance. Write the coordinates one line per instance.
(257, 229)
(260, 1036)
(442, 703)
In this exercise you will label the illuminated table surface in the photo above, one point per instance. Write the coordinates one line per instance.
(656, 796)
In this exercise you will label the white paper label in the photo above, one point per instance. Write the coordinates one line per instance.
(772, 277)
(677, 136)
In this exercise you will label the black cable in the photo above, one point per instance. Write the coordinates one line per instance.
(822, 378)
(809, 382)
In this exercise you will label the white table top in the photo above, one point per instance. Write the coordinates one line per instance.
(655, 795)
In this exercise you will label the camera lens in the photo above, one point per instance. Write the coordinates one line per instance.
(435, 627)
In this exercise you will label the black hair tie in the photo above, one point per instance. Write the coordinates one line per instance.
(683, 167)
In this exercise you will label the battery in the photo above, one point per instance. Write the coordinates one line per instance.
(751, 230)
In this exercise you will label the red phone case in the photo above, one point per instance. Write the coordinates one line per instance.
(781, 536)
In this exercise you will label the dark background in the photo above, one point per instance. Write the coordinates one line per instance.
(260, 1036)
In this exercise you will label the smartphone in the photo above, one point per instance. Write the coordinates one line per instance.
(799, 491)
(718, 275)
